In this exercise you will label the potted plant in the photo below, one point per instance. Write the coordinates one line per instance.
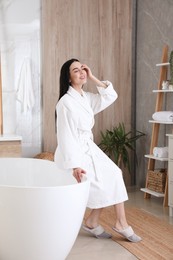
(117, 143)
(171, 70)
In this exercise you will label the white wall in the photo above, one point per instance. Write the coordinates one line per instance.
(20, 62)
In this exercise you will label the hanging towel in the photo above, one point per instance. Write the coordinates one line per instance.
(161, 152)
(25, 92)
(166, 116)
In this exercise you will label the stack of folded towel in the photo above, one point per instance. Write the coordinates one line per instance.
(161, 152)
(166, 116)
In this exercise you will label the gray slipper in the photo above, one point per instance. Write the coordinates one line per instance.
(129, 234)
(98, 232)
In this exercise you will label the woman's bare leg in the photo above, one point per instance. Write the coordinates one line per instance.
(92, 220)
(121, 225)
(92, 225)
(121, 222)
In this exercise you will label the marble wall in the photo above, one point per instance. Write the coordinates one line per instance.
(20, 65)
(154, 30)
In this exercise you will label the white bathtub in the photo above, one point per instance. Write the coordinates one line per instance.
(41, 211)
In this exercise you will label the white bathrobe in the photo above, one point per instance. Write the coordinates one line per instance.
(75, 120)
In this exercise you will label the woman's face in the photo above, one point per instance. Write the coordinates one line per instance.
(78, 75)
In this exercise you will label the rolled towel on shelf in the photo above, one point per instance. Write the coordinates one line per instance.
(161, 152)
(166, 116)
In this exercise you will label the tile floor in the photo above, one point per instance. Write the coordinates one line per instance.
(86, 247)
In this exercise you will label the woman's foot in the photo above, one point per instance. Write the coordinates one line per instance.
(128, 233)
(98, 231)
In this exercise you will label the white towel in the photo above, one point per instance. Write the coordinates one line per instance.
(166, 116)
(25, 92)
(161, 152)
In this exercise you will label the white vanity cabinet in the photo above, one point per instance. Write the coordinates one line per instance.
(170, 174)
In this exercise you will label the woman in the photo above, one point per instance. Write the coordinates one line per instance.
(78, 154)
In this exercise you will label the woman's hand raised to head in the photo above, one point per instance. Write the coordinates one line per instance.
(88, 70)
(78, 173)
(93, 78)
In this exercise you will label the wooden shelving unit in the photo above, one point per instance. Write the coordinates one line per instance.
(151, 156)
(155, 129)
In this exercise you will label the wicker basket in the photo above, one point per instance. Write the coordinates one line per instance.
(45, 156)
(156, 180)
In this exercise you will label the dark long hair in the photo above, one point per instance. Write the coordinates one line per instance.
(65, 77)
(64, 81)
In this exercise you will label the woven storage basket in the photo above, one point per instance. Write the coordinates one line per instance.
(45, 156)
(156, 180)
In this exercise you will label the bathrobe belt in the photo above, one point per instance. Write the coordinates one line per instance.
(94, 158)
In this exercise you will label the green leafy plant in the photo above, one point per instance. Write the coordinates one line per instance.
(117, 143)
(171, 68)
